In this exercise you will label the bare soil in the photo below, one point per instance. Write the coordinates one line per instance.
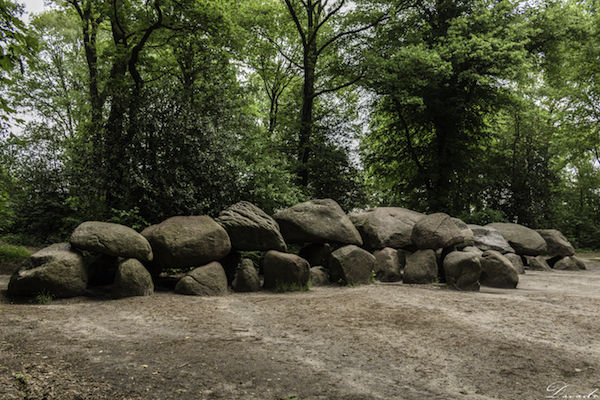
(382, 341)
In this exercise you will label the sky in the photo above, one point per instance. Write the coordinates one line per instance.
(35, 6)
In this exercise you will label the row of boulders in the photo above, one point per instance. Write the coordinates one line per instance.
(388, 244)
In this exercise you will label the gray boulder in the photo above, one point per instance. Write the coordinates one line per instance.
(251, 229)
(386, 227)
(556, 243)
(462, 270)
(111, 239)
(467, 233)
(285, 269)
(317, 221)
(566, 264)
(497, 271)
(473, 249)
(525, 241)
(55, 270)
(421, 267)
(319, 276)
(351, 265)
(389, 264)
(516, 261)
(316, 253)
(132, 279)
(208, 280)
(487, 238)
(436, 231)
(581, 264)
(246, 278)
(187, 241)
(538, 263)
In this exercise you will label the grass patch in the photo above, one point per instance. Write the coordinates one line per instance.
(284, 287)
(10, 254)
(44, 297)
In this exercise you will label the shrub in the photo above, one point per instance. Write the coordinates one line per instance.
(10, 254)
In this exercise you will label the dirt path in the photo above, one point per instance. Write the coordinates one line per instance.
(384, 341)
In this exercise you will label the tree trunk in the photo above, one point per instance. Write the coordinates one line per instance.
(306, 115)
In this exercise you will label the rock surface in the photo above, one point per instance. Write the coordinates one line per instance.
(246, 278)
(566, 264)
(436, 231)
(187, 241)
(467, 233)
(525, 241)
(316, 254)
(319, 276)
(487, 238)
(111, 239)
(389, 264)
(282, 269)
(538, 263)
(251, 229)
(55, 270)
(386, 227)
(462, 270)
(421, 267)
(556, 243)
(132, 279)
(317, 221)
(208, 280)
(351, 265)
(497, 271)
(516, 261)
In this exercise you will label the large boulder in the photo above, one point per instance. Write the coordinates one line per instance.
(55, 270)
(497, 271)
(316, 254)
(462, 270)
(250, 228)
(386, 227)
(282, 269)
(319, 276)
(421, 267)
(467, 233)
(317, 221)
(389, 264)
(525, 241)
(132, 279)
(566, 264)
(246, 278)
(516, 261)
(187, 241)
(351, 265)
(436, 231)
(487, 238)
(556, 243)
(208, 280)
(538, 263)
(111, 239)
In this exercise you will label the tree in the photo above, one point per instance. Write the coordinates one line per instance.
(440, 70)
(321, 27)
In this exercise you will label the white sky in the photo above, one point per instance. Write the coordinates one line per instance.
(34, 6)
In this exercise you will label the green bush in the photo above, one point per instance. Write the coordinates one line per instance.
(10, 254)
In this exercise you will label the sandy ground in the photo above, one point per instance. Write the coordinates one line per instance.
(382, 341)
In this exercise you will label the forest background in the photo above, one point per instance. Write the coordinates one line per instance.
(135, 111)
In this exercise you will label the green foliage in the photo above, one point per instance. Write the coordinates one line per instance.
(284, 287)
(483, 217)
(130, 218)
(44, 297)
(10, 254)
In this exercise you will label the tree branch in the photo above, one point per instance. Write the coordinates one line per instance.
(335, 89)
(352, 32)
(296, 21)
